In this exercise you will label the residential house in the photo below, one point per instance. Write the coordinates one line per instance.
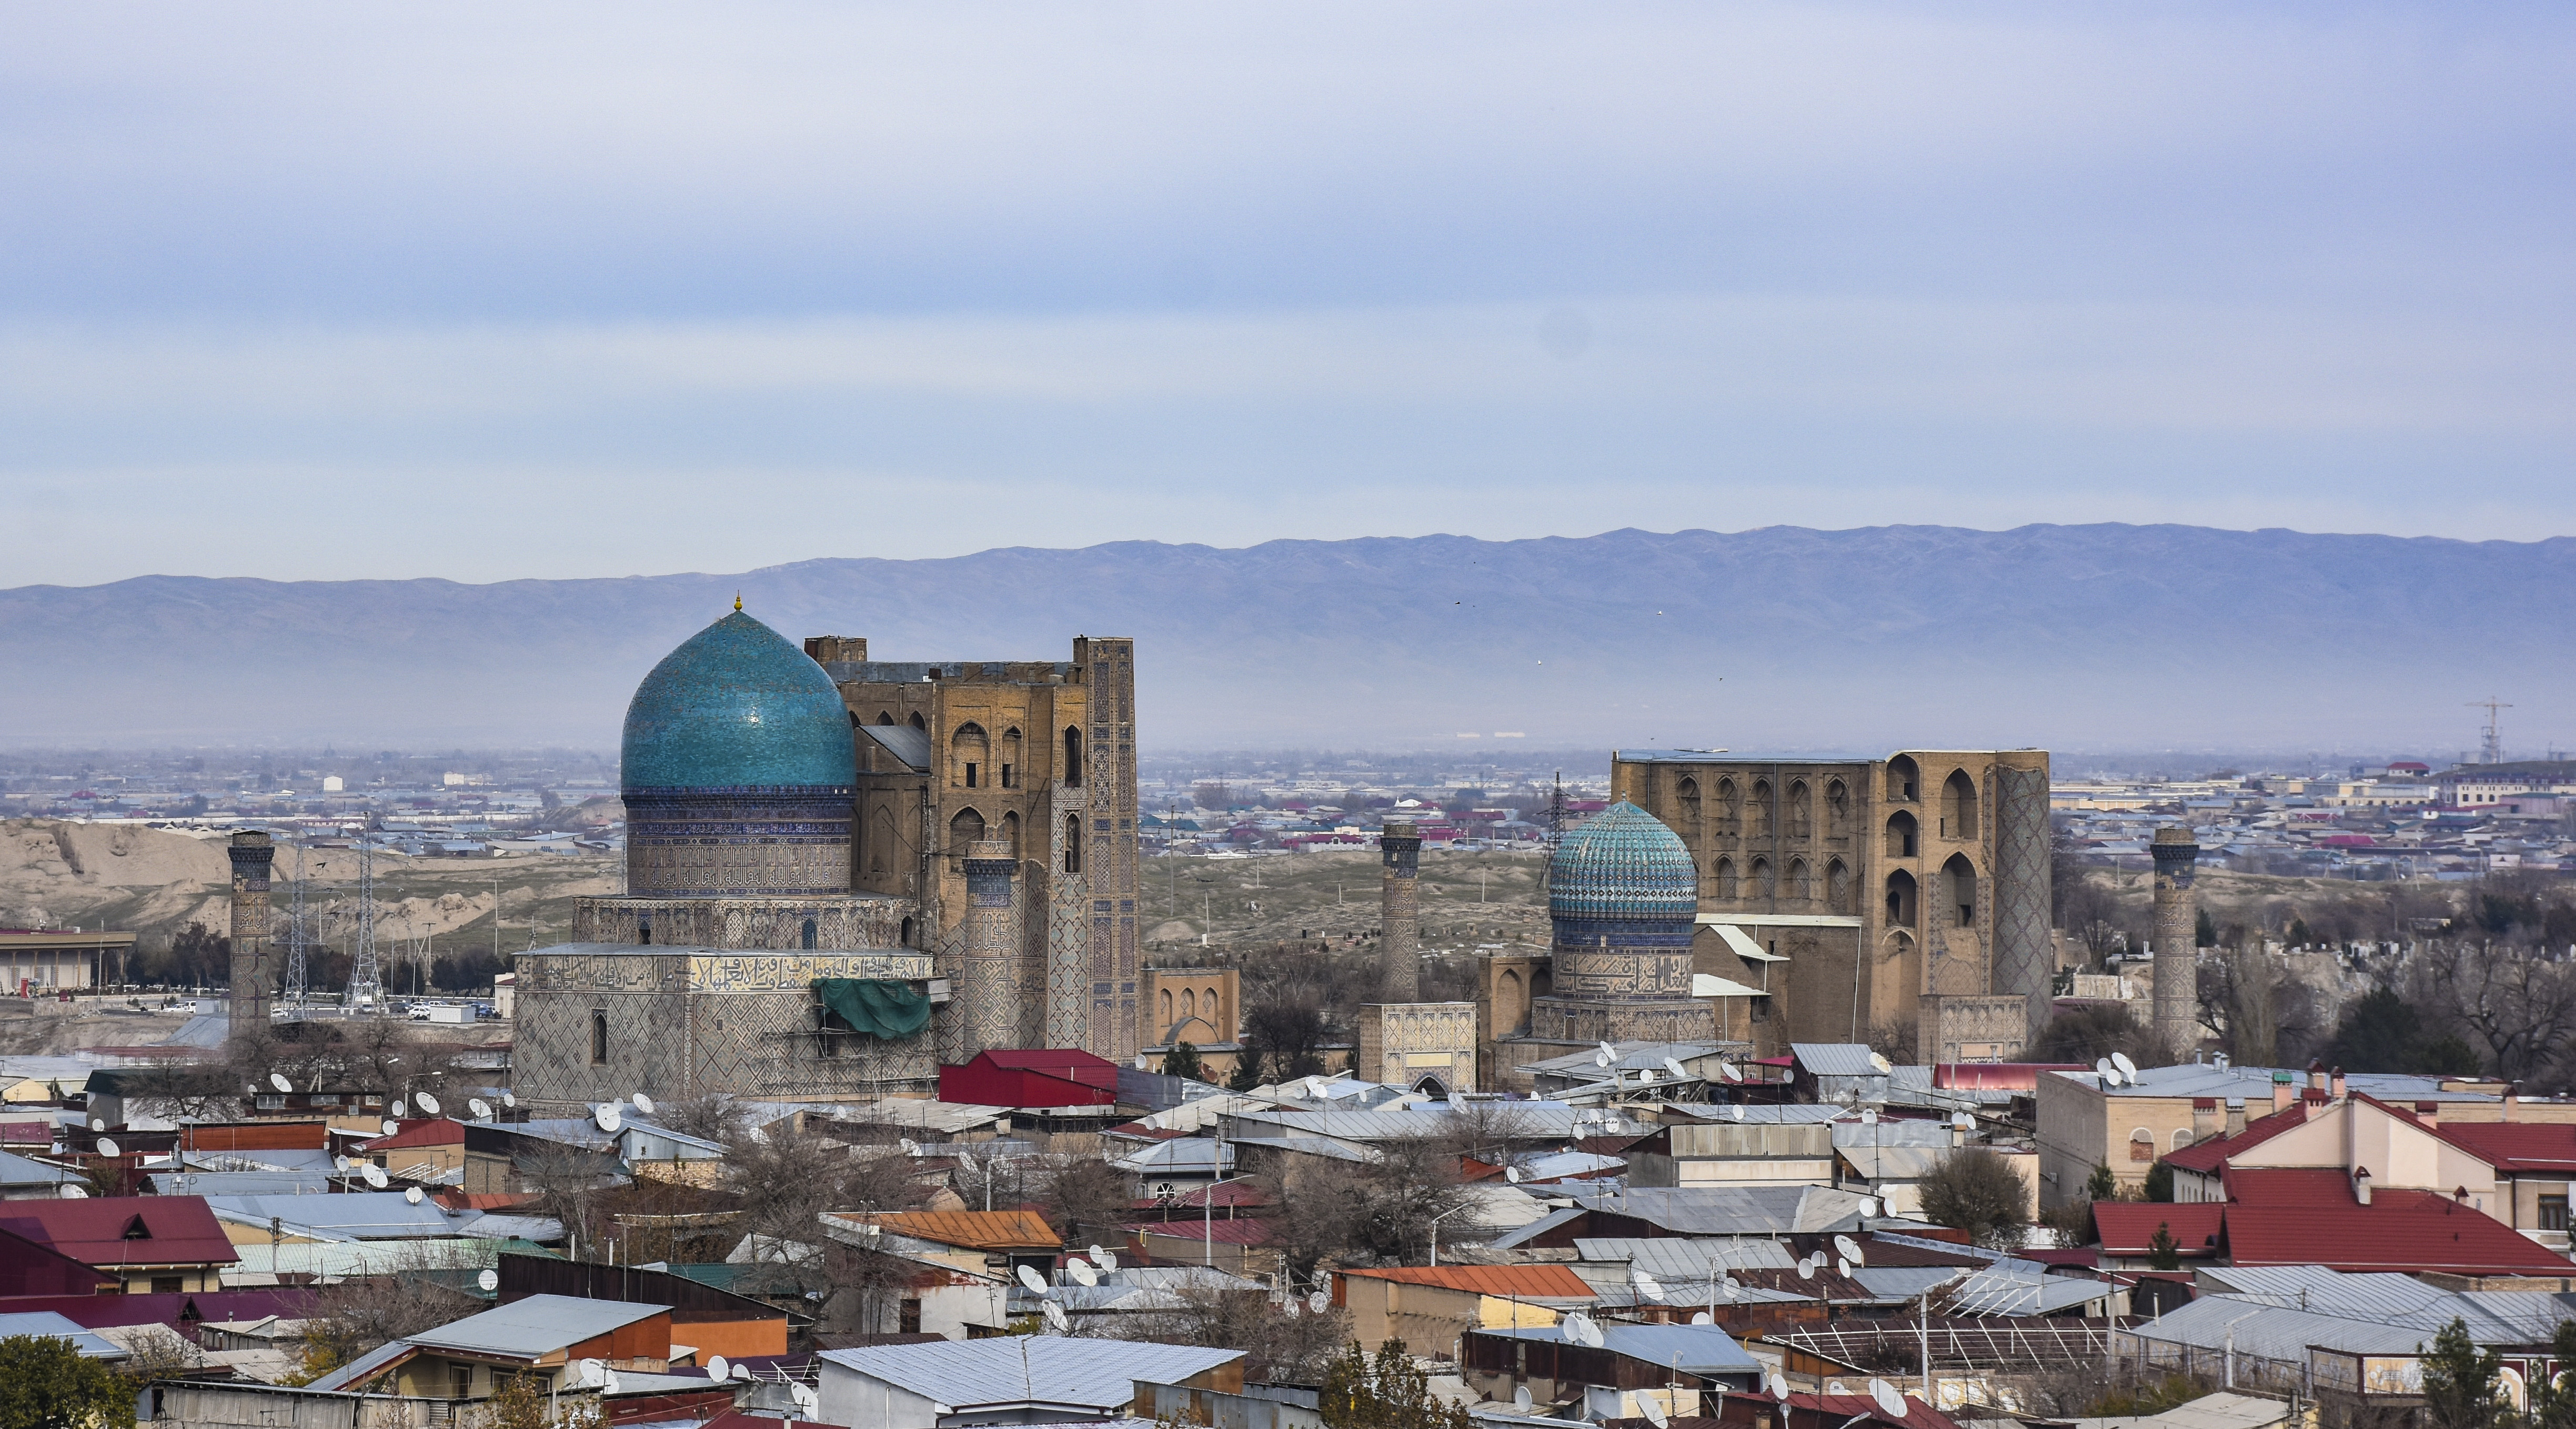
(1020, 1379)
(1429, 1307)
(1606, 1381)
(163, 1245)
(544, 1337)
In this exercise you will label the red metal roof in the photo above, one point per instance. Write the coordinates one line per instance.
(1999, 1076)
(2407, 1231)
(422, 1131)
(2515, 1145)
(1072, 1064)
(109, 1231)
(2287, 1185)
(2127, 1227)
(2208, 1156)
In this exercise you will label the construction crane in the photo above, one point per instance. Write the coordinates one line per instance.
(2492, 752)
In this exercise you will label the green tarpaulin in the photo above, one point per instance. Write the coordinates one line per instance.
(879, 1007)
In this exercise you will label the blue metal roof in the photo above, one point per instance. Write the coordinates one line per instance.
(737, 706)
(1692, 1349)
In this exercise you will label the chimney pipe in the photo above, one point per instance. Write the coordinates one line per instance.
(2316, 1076)
(2235, 1115)
(2361, 1184)
(2338, 1084)
(2283, 1091)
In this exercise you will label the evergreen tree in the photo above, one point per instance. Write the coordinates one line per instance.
(1247, 1070)
(2102, 1185)
(1383, 1392)
(2162, 1253)
(46, 1384)
(2460, 1390)
(1183, 1061)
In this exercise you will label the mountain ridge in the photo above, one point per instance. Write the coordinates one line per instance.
(1791, 637)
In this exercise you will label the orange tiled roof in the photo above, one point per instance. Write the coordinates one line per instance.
(1536, 1281)
(977, 1230)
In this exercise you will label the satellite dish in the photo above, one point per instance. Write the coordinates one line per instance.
(1674, 1066)
(743, 1372)
(71, 1192)
(1655, 1414)
(1735, 1111)
(375, 1175)
(1881, 1063)
(1081, 1271)
(1806, 1268)
(1779, 1387)
(1847, 1248)
(2127, 1068)
(107, 1146)
(509, 1099)
(482, 1109)
(1140, 1061)
(397, 1107)
(426, 1102)
(591, 1370)
(1602, 1057)
(1730, 1071)
(1869, 1206)
(1700, 1317)
(2102, 1067)
(1512, 1174)
(1035, 1282)
(1580, 1328)
(97, 1124)
(910, 1146)
(412, 1194)
(805, 1395)
(1106, 1260)
(392, 1126)
(1890, 1403)
(279, 1081)
(1843, 1269)
(1315, 1087)
(607, 1118)
(643, 1103)
(1319, 1302)
(488, 1281)
(1056, 1319)
(1521, 1397)
(607, 1381)
(718, 1370)
(1869, 1116)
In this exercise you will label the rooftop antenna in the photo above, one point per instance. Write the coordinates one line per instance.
(296, 974)
(366, 978)
(2491, 750)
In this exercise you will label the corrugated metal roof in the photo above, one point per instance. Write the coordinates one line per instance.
(1892, 1131)
(1629, 1057)
(1679, 1258)
(1019, 1369)
(1904, 1282)
(537, 1325)
(905, 743)
(357, 1371)
(2004, 1292)
(1836, 1059)
(1894, 1163)
(976, 1230)
(1534, 1281)
(1780, 1114)
(1692, 1349)
(1732, 1210)
(361, 1215)
(47, 1325)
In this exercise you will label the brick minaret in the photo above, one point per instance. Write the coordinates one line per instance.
(984, 1000)
(2177, 955)
(1399, 945)
(252, 976)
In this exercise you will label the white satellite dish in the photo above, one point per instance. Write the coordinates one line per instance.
(910, 1146)
(71, 1192)
(1881, 1063)
(392, 1126)
(1730, 1071)
(1847, 1248)
(1319, 1302)
(1889, 1402)
(1869, 1206)
(1081, 1271)
(591, 1370)
(2127, 1068)
(1735, 1111)
(509, 1099)
(807, 1397)
(375, 1175)
(1315, 1087)
(427, 1102)
(1140, 1061)
(607, 1381)
(1521, 1398)
(643, 1103)
(1056, 1319)
(1806, 1268)
(398, 1107)
(1779, 1387)
(489, 1281)
(1645, 1285)
(1512, 1174)
(2102, 1067)
(718, 1370)
(1678, 1072)
(606, 1117)
(1035, 1282)
(1106, 1260)
(107, 1146)
(1700, 1317)
(279, 1081)
(482, 1109)
(1843, 1268)
(97, 1124)
(1580, 1329)
(743, 1372)
(1602, 1058)
(412, 1194)
(1655, 1414)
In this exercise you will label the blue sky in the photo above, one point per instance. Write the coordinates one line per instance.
(485, 291)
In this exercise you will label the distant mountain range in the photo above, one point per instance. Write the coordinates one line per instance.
(1778, 639)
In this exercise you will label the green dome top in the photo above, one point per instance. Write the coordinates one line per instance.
(1622, 864)
(737, 706)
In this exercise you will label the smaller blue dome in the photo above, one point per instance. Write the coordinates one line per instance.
(737, 706)
(1622, 864)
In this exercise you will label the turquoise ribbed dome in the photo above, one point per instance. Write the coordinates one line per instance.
(737, 706)
(1622, 865)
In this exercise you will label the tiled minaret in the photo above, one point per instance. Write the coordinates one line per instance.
(1399, 938)
(984, 1002)
(252, 976)
(2177, 953)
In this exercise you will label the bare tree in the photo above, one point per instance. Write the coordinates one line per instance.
(2520, 1008)
(1379, 1212)
(1279, 1344)
(1083, 1195)
(713, 1117)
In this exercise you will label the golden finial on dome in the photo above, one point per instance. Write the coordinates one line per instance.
(737, 600)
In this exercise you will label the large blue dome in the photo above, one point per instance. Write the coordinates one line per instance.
(737, 706)
(1622, 865)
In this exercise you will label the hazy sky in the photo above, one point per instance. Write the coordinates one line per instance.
(485, 291)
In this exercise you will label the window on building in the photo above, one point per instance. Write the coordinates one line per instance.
(460, 1381)
(2142, 1145)
(1073, 843)
(2553, 1212)
(973, 773)
(808, 935)
(1072, 756)
(169, 1284)
(599, 1037)
(908, 1318)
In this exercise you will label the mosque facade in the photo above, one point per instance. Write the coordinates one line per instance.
(841, 873)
